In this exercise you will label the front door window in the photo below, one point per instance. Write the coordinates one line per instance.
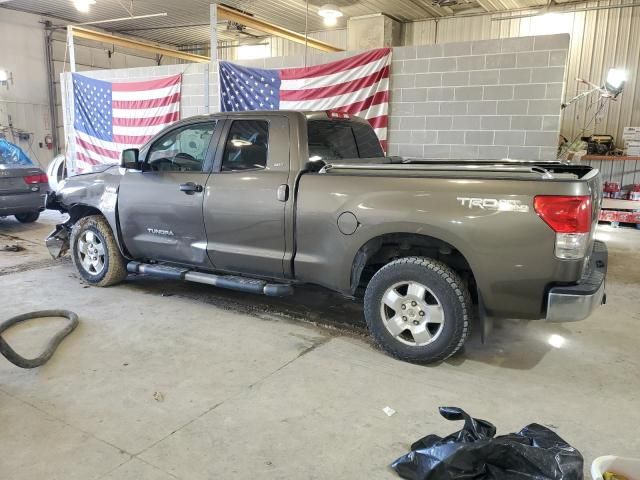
(181, 150)
(247, 146)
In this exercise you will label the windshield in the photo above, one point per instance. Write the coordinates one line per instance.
(331, 140)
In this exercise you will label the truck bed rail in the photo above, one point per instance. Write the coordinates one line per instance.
(471, 168)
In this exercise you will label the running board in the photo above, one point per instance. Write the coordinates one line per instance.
(230, 282)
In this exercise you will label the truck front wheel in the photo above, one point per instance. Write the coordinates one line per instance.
(418, 309)
(95, 252)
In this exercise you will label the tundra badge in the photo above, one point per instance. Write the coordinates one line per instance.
(157, 231)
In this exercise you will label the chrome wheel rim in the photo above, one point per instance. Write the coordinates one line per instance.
(412, 313)
(91, 253)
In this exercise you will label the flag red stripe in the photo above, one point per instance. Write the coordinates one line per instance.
(334, 67)
(146, 85)
(146, 122)
(99, 150)
(86, 159)
(132, 139)
(379, 122)
(357, 107)
(384, 144)
(337, 89)
(152, 103)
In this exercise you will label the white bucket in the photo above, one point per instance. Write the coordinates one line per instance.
(629, 467)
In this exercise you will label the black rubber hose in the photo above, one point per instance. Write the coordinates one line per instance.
(22, 362)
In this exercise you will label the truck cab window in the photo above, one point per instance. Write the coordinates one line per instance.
(181, 150)
(367, 141)
(247, 146)
(341, 139)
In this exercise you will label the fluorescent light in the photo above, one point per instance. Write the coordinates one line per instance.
(4, 76)
(616, 78)
(330, 13)
(83, 5)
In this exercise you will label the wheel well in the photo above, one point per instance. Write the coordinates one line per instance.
(79, 211)
(379, 251)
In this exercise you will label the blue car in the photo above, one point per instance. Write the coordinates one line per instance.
(23, 185)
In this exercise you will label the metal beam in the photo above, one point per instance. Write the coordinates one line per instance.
(72, 49)
(542, 10)
(251, 22)
(53, 100)
(122, 19)
(136, 44)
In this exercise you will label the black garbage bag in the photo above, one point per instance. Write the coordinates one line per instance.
(474, 453)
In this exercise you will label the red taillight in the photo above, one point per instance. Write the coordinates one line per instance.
(34, 179)
(565, 214)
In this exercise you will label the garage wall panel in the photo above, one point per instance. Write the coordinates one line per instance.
(24, 104)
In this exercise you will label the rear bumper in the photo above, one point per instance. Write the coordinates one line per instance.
(21, 203)
(572, 303)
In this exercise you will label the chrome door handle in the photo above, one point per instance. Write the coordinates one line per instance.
(190, 188)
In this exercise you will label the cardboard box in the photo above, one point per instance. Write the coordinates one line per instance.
(630, 134)
(633, 147)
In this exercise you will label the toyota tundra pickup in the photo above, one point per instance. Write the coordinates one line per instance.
(263, 201)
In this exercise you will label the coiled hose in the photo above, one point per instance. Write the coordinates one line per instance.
(11, 355)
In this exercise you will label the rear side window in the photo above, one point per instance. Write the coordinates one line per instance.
(336, 140)
(247, 146)
(367, 141)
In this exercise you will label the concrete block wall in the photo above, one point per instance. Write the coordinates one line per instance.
(483, 99)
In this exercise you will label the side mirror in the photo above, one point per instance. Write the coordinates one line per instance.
(129, 159)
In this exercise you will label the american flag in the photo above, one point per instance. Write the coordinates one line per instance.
(112, 116)
(357, 85)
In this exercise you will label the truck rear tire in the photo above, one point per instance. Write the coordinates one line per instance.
(418, 310)
(95, 252)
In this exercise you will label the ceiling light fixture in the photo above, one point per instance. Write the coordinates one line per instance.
(83, 5)
(330, 13)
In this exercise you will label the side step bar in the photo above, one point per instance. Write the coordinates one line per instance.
(230, 282)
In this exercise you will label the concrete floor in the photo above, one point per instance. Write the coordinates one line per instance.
(165, 380)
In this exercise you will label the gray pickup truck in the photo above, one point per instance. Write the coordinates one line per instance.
(262, 201)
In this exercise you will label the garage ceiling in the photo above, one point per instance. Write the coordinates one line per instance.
(186, 22)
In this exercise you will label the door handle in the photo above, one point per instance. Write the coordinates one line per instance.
(190, 188)
(283, 193)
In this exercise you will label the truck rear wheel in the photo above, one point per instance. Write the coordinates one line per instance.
(95, 252)
(418, 309)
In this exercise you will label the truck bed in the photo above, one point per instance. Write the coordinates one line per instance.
(483, 210)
